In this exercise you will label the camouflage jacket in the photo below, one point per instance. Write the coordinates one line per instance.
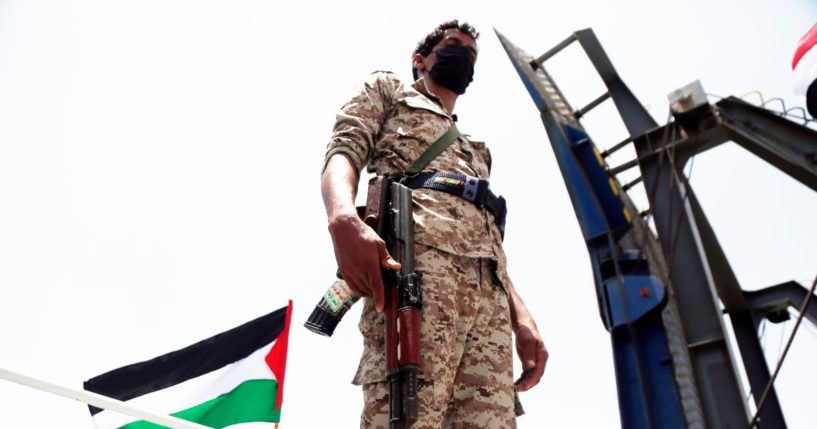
(385, 127)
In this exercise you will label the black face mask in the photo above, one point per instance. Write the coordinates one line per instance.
(454, 69)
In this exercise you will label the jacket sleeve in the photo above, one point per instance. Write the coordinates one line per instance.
(358, 123)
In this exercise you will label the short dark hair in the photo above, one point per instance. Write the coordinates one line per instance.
(425, 45)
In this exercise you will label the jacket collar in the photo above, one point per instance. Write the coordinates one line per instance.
(429, 101)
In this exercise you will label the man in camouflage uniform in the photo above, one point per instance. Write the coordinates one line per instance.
(470, 305)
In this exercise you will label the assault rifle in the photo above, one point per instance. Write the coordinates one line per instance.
(403, 303)
(388, 212)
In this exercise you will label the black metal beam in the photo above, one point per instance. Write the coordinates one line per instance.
(592, 105)
(788, 146)
(553, 51)
(691, 278)
(778, 298)
(740, 314)
(636, 118)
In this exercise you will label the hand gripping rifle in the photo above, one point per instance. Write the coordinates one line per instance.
(388, 212)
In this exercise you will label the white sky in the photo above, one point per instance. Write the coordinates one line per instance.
(159, 169)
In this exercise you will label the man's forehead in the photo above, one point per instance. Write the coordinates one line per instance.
(455, 34)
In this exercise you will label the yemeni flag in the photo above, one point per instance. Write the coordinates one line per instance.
(804, 65)
(234, 377)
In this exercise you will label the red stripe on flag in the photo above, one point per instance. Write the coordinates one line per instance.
(804, 45)
(277, 358)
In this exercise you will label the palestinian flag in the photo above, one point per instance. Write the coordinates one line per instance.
(234, 377)
(804, 65)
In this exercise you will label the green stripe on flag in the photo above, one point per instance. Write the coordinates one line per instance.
(251, 401)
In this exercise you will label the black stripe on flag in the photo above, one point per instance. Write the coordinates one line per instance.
(198, 359)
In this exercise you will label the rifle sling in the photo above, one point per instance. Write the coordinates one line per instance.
(435, 149)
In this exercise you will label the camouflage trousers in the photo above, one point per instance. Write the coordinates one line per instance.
(467, 375)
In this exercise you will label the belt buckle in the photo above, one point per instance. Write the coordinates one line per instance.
(471, 190)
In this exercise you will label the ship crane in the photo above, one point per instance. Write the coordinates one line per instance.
(662, 293)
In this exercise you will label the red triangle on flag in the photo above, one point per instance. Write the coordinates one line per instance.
(276, 359)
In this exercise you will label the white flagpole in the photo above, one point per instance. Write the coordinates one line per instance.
(99, 401)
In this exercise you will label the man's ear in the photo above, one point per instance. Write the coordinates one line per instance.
(417, 60)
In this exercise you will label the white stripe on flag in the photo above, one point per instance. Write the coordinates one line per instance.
(806, 71)
(194, 391)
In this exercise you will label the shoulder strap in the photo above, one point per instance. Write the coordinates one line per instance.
(435, 149)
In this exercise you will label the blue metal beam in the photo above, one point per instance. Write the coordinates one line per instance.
(630, 299)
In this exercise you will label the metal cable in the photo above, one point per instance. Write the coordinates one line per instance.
(663, 151)
(612, 243)
(651, 195)
(755, 422)
(762, 339)
(641, 248)
(669, 153)
(682, 368)
(672, 240)
(786, 112)
(676, 224)
(688, 174)
(755, 92)
(780, 340)
(677, 343)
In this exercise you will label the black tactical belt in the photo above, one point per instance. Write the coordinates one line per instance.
(470, 188)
